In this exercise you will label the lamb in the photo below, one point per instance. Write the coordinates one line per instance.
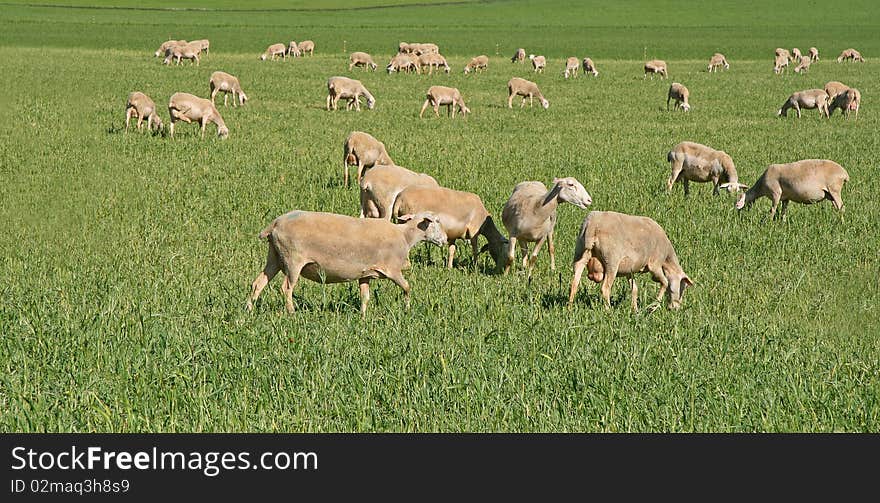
(188, 51)
(679, 94)
(695, 162)
(350, 89)
(589, 67)
(807, 182)
(477, 64)
(538, 63)
(656, 66)
(331, 248)
(525, 88)
(203, 44)
(814, 54)
(188, 108)
(307, 46)
(717, 61)
(461, 214)
(364, 151)
(361, 59)
(168, 45)
(613, 244)
(530, 217)
(847, 101)
(850, 54)
(833, 88)
(448, 96)
(804, 64)
(381, 185)
(274, 51)
(293, 49)
(226, 83)
(809, 99)
(141, 106)
(571, 67)
(779, 64)
(795, 54)
(519, 56)
(433, 60)
(403, 62)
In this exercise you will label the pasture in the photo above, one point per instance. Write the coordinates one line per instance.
(126, 258)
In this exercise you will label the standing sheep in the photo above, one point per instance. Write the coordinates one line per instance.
(589, 67)
(814, 54)
(188, 51)
(717, 61)
(780, 64)
(807, 182)
(204, 45)
(307, 46)
(572, 65)
(530, 217)
(803, 65)
(809, 99)
(833, 88)
(656, 66)
(403, 62)
(679, 94)
(795, 54)
(433, 60)
(141, 106)
(477, 64)
(227, 84)
(350, 89)
(293, 49)
(361, 59)
(274, 51)
(525, 88)
(695, 162)
(448, 96)
(168, 44)
(364, 151)
(188, 108)
(538, 63)
(847, 101)
(381, 185)
(519, 56)
(850, 54)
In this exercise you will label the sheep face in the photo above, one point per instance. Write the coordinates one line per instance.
(677, 284)
(371, 102)
(545, 103)
(263, 57)
(430, 225)
(223, 132)
(571, 191)
(242, 98)
(686, 107)
(741, 202)
(157, 123)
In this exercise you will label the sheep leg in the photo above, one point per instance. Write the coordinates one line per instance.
(835, 198)
(775, 197)
(360, 171)
(140, 122)
(524, 250)
(659, 277)
(328, 102)
(203, 123)
(510, 101)
(608, 282)
(451, 255)
(436, 109)
(635, 292)
(715, 191)
(677, 166)
(511, 254)
(171, 127)
(797, 108)
(576, 280)
(399, 280)
(533, 258)
(226, 99)
(273, 265)
(424, 107)
(687, 186)
(552, 248)
(667, 102)
(214, 92)
(475, 250)
(128, 113)
(531, 100)
(364, 285)
(782, 210)
(289, 284)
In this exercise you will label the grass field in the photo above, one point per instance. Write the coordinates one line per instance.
(126, 258)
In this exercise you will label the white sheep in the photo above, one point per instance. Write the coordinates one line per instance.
(167, 45)
(589, 67)
(808, 99)
(572, 65)
(477, 64)
(814, 54)
(717, 61)
(780, 64)
(381, 185)
(273, 51)
(141, 106)
(227, 84)
(833, 88)
(807, 182)
(852, 54)
(656, 66)
(695, 162)
(433, 60)
(795, 54)
(350, 89)
(679, 94)
(404, 62)
(307, 46)
(847, 101)
(361, 59)
(803, 65)
(188, 51)
(538, 63)
(203, 44)
(188, 108)
(525, 88)
(364, 151)
(293, 49)
(444, 96)
(519, 56)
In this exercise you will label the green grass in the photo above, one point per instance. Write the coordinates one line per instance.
(126, 258)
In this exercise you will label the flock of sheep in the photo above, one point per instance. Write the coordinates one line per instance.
(400, 208)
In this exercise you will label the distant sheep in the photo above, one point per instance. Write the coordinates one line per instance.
(450, 97)
(527, 89)
(679, 94)
(717, 61)
(807, 182)
(850, 54)
(273, 51)
(307, 46)
(361, 59)
(519, 56)
(809, 99)
(589, 67)
(538, 63)
(695, 162)
(141, 106)
(477, 64)
(350, 89)
(572, 65)
(657, 66)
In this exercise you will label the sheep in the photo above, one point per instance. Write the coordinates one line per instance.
(814, 54)
(381, 185)
(525, 88)
(141, 106)
(422, 49)
(529, 216)
(364, 151)
(795, 54)
(273, 51)
(850, 54)
(188, 108)
(807, 182)
(695, 162)
(442, 95)
(331, 248)
(167, 45)
(477, 64)
(433, 60)
(519, 56)
(808, 99)
(847, 101)
(571, 67)
(833, 88)
(188, 51)
(656, 66)
(404, 62)
(293, 49)
(782, 53)
(779, 64)
(462, 216)
(613, 244)
(538, 63)
(204, 45)
(361, 59)
(717, 61)
(679, 94)
(804, 64)
(350, 89)
(588, 67)
(226, 83)
(307, 46)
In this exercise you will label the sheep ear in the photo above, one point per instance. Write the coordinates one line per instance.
(685, 281)
(743, 186)
(402, 219)
(724, 186)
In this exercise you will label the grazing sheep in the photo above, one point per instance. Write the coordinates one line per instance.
(381, 185)
(274, 51)
(529, 216)
(141, 106)
(448, 96)
(572, 65)
(350, 89)
(168, 45)
(589, 67)
(364, 151)
(679, 94)
(804, 65)
(403, 62)
(519, 56)
(293, 49)
(833, 88)
(695, 162)
(847, 101)
(538, 63)
(717, 61)
(307, 46)
(780, 64)
(188, 51)
(796, 54)
(330, 248)
(203, 44)
(433, 60)
(850, 54)
(477, 64)
(614, 244)
(361, 59)
(656, 66)
(782, 53)
(462, 216)
(814, 54)
(188, 108)
(809, 99)
(525, 88)
(807, 182)
(227, 84)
